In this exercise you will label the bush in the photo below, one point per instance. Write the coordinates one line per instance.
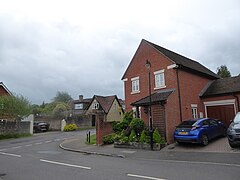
(144, 138)
(118, 127)
(137, 125)
(70, 127)
(109, 139)
(133, 136)
(157, 137)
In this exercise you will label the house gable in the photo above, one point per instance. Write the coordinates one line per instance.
(109, 105)
(4, 90)
(115, 112)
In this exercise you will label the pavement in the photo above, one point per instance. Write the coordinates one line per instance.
(77, 144)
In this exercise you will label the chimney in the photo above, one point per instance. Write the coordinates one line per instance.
(81, 97)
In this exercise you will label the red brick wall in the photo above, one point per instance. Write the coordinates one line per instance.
(191, 86)
(102, 129)
(137, 68)
(3, 91)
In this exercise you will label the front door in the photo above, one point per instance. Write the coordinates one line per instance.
(93, 120)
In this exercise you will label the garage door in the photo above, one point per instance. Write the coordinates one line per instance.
(222, 112)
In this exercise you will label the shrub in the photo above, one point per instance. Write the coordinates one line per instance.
(70, 127)
(156, 137)
(133, 136)
(123, 139)
(109, 139)
(122, 125)
(144, 138)
(137, 125)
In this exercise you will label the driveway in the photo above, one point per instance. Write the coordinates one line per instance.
(218, 145)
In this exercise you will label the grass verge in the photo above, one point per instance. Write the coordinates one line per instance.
(92, 140)
(10, 136)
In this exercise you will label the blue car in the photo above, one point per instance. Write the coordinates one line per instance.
(199, 131)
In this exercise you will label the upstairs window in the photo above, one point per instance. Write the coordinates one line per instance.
(78, 106)
(95, 106)
(135, 85)
(159, 79)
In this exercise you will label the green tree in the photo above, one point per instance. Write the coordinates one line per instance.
(14, 106)
(59, 109)
(223, 71)
(62, 97)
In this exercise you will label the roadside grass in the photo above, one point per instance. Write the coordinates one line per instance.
(92, 140)
(85, 128)
(11, 136)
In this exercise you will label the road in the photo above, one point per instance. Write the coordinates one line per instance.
(40, 158)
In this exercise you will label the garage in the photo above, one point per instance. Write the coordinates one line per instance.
(225, 113)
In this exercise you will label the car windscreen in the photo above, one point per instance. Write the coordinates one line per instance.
(187, 124)
(237, 118)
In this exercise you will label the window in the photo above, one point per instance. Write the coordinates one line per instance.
(159, 79)
(135, 85)
(194, 111)
(78, 106)
(95, 106)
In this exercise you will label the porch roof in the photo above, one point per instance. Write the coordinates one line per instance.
(156, 97)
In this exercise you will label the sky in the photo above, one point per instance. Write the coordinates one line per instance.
(84, 47)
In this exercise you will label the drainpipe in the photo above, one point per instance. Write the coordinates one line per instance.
(179, 93)
(237, 101)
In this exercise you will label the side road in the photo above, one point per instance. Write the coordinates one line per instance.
(77, 144)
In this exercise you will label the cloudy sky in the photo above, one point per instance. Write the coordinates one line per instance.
(84, 47)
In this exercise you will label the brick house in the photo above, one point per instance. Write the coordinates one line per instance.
(103, 110)
(4, 90)
(180, 89)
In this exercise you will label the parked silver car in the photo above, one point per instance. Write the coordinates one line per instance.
(233, 132)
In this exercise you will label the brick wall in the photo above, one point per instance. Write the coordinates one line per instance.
(102, 128)
(11, 127)
(3, 91)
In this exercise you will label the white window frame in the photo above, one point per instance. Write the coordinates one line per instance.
(135, 85)
(194, 111)
(159, 79)
(78, 106)
(95, 106)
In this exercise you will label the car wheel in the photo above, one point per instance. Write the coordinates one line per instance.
(204, 140)
(232, 144)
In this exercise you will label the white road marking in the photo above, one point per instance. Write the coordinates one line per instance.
(38, 143)
(28, 145)
(48, 141)
(8, 154)
(144, 177)
(16, 147)
(3, 149)
(57, 139)
(65, 164)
